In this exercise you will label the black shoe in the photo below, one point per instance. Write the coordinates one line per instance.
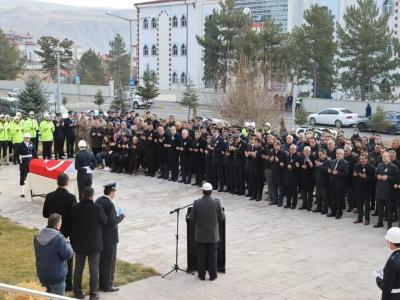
(187, 182)
(79, 295)
(330, 215)
(280, 204)
(316, 210)
(161, 176)
(337, 217)
(258, 199)
(302, 207)
(375, 214)
(119, 172)
(194, 184)
(94, 297)
(202, 277)
(253, 198)
(287, 206)
(213, 278)
(378, 225)
(357, 221)
(248, 195)
(220, 190)
(110, 289)
(293, 207)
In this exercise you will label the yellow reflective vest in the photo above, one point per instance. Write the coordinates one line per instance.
(46, 129)
(31, 126)
(16, 132)
(4, 134)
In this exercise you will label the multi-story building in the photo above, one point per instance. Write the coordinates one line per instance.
(25, 43)
(264, 9)
(166, 40)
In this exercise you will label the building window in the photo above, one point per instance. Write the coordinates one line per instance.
(175, 78)
(145, 50)
(183, 50)
(388, 7)
(174, 50)
(174, 22)
(153, 23)
(183, 78)
(183, 21)
(153, 50)
(145, 24)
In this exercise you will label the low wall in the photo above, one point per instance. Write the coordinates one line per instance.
(315, 105)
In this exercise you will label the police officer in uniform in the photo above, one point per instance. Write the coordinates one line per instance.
(24, 152)
(110, 239)
(206, 214)
(85, 163)
(389, 280)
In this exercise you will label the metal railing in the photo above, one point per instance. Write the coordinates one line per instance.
(15, 290)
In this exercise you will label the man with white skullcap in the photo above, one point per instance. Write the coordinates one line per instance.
(389, 280)
(85, 163)
(24, 152)
(206, 214)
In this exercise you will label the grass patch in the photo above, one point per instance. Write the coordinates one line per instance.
(17, 263)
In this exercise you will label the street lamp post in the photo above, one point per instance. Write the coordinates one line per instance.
(58, 104)
(130, 41)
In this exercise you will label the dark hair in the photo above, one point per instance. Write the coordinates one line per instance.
(107, 191)
(88, 192)
(397, 245)
(62, 180)
(322, 151)
(207, 193)
(53, 220)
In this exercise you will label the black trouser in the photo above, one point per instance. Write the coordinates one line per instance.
(218, 172)
(126, 163)
(291, 195)
(337, 201)
(150, 160)
(107, 267)
(84, 181)
(23, 170)
(59, 147)
(387, 204)
(68, 279)
(322, 196)
(115, 161)
(186, 169)
(350, 197)
(363, 206)
(3, 149)
(46, 151)
(238, 178)
(93, 271)
(307, 195)
(198, 165)
(35, 142)
(164, 168)
(70, 146)
(207, 259)
(258, 184)
(96, 150)
(276, 192)
(11, 149)
(174, 164)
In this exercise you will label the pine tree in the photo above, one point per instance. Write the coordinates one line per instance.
(32, 96)
(120, 102)
(149, 89)
(48, 54)
(364, 48)
(11, 61)
(315, 40)
(190, 99)
(118, 65)
(99, 99)
(378, 121)
(90, 69)
(301, 117)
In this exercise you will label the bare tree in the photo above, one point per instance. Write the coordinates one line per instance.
(250, 97)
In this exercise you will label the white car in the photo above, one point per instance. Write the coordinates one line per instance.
(14, 92)
(337, 117)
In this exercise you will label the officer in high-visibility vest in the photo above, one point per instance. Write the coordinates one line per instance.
(17, 135)
(46, 128)
(31, 126)
(4, 136)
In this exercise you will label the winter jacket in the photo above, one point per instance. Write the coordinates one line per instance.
(52, 251)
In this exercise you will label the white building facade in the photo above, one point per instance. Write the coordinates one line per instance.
(166, 40)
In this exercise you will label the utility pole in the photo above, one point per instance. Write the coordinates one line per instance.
(58, 104)
(294, 95)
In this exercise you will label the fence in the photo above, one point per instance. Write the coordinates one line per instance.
(14, 291)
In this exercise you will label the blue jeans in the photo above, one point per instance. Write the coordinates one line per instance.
(57, 289)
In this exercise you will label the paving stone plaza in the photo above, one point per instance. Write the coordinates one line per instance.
(271, 252)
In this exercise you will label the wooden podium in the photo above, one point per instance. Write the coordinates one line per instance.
(192, 250)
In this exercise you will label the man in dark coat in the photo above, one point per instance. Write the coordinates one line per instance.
(24, 152)
(307, 178)
(292, 176)
(97, 134)
(339, 170)
(88, 219)
(322, 180)
(85, 163)
(277, 157)
(59, 137)
(108, 255)
(60, 202)
(206, 214)
(69, 131)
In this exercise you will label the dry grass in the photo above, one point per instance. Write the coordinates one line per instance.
(17, 263)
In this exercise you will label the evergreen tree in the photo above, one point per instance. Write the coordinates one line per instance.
(364, 48)
(190, 99)
(301, 117)
(64, 100)
(32, 97)
(118, 65)
(48, 54)
(315, 40)
(99, 99)
(120, 102)
(149, 89)
(378, 121)
(11, 61)
(90, 69)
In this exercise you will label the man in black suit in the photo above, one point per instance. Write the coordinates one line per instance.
(206, 214)
(60, 202)
(24, 152)
(339, 170)
(85, 163)
(69, 131)
(88, 219)
(110, 239)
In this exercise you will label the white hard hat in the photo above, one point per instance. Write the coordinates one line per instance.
(82, 144)
(253, 124)
(27, 135)
(46, 116)
(268, 124)
(207, 187)
(393, 235)
(31, 112)
(246, 124)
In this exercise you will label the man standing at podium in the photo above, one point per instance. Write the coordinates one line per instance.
(206, 214)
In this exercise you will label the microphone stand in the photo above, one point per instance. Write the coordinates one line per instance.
(176, 267)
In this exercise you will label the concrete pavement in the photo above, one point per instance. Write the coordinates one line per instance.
(272, 253)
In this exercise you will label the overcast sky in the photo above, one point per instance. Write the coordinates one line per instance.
(97, 3)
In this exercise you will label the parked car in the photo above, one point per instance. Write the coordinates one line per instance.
(138, 102)
(317, 131)
(337, 117)
(392, 117)
(14, 92)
